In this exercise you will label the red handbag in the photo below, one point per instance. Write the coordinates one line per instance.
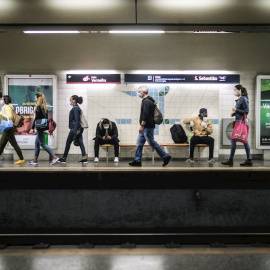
(240, 131)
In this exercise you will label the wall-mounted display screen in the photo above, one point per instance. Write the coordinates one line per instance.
(22, 90)
(263, 112)
(182, 78)
(93, 78)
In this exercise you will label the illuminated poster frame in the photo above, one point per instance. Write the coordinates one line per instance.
(22, 90)
(263, 112)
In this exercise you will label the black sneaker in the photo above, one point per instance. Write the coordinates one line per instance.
(227, 162)
(247, 163)
(166, 160)
(135, 163)
(83, 161)
(62, 160)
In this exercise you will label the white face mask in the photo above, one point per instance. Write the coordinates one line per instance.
(205, 119)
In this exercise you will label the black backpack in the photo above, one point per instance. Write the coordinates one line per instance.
(178, 134)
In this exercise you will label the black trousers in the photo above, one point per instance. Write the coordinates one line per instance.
(201, 140)
(9, 136)
(115, 142)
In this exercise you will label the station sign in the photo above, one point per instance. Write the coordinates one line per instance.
(182, 78)
(93, 78)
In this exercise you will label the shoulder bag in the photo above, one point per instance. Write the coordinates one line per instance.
(42, 124)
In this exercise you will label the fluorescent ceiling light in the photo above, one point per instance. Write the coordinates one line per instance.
(136, 32)
(211, 32)
(51, 32)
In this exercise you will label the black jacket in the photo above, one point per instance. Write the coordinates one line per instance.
(147, 112)
(113, 132)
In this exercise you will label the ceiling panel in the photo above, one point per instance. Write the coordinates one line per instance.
(204, 11)
(67, 11)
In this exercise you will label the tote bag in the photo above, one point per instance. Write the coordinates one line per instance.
(240, 131)
(83, 121)
(6, 125)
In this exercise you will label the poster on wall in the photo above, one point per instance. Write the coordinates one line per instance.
(22, 90)
(263, 112)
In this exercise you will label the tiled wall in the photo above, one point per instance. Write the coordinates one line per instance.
(121, 104)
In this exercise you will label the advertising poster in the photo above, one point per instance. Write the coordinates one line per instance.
(263, 112)
(22, 90)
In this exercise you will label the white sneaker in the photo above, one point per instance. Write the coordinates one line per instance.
(54, 160)
(96, 160)
(116, 160)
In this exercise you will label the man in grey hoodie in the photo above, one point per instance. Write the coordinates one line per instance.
(146, 130)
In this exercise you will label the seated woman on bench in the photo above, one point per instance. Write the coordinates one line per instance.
(202, 128)
(106, 133)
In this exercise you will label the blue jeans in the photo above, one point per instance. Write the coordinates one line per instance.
(233, 148)
(40, 140)
(148, 135)
(70, 139)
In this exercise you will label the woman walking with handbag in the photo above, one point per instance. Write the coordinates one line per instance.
(41, 112)
(76, 129)
(241, 110)
(9, 135)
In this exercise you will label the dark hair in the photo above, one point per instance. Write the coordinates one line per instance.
(105, 121)
(243, 90)
(7, 99)
(77, 99)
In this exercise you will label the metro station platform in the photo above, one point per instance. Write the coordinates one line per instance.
(107, 203)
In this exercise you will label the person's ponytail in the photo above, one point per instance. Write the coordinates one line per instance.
(244, 92)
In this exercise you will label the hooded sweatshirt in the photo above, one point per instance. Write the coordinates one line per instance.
(147, 112)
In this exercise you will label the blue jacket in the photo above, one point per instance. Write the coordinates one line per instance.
(75, 118)
(242, 106)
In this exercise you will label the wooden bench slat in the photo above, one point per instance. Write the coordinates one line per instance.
(161, 144)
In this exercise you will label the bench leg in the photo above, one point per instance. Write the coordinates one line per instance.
(199, 153)
(107, 154)
(153, 156)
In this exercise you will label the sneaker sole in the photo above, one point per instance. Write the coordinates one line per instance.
(135, 165)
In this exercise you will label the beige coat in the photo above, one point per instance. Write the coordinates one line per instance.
(198, 129)
(8, 112)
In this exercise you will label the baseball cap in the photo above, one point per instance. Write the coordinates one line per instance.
(202, 110)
